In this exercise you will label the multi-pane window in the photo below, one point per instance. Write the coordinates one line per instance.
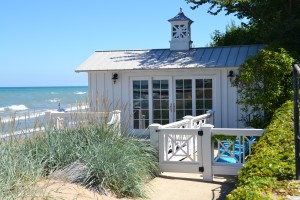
(203, 95)
(192, 97)
(184, 102)
(140, 104)
(160, 101)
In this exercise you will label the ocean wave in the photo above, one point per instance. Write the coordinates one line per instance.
(17, 107)
(37, 114)
(21, 117)
(2, 109)
(79, 92)
(54, 100)
(77, 108)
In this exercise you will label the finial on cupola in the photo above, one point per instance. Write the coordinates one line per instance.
(180, 32)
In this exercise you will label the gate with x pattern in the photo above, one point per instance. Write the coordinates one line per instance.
(196, 147)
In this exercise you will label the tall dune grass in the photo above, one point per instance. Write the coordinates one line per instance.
(118, 163)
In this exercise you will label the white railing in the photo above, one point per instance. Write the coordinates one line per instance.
(179, 146)
(229, 154)
(192, 122)
(199, 121)
(187, 122)
(72, 119)
(192, 146)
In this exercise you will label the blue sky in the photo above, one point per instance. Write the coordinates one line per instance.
(42, 42)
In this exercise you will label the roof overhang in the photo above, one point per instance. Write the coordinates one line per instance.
(156, 59)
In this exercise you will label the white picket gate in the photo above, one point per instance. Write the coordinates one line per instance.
(193, 146)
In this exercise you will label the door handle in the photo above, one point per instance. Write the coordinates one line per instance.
(172, 107)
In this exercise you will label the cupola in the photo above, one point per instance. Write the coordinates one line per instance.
(180, 32)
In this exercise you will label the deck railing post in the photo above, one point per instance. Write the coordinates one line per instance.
(207, 152)
(154, 135)
(190, 123)
(211, 118)
(117, 121)
(48, 118)
(60, 122)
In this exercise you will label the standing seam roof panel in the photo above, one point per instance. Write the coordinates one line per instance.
(232, 57)
(242, 55)
(206, 55)
(253, 50)
(198, 55)
(222, 61)
(214, 57)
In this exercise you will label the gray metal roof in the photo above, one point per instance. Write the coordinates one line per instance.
(206, 57)
(180, 17)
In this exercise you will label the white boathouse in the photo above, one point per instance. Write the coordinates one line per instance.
(164, 85)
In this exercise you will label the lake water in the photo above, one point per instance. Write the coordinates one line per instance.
(22, 102)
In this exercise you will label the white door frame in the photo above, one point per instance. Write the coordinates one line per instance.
(216, 104)
(171, 94)
(150, 99)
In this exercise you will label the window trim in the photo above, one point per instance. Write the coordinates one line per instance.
(150, 99)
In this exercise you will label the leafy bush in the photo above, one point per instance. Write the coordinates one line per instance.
(236, 35)
(264, 83)
(118, 163)
(272, 160)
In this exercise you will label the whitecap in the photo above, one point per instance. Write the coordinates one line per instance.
(20, 117)
(79, 92)
(54, 100)
(17, 107)
(30, 115)
(77, 108)
(2, 109)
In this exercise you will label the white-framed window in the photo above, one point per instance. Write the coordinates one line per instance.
(140, 99)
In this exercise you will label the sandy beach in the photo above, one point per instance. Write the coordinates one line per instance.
(167, 186)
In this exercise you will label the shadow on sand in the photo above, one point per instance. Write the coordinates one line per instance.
(220, 187)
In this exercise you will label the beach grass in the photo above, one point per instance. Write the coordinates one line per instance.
(115, 162)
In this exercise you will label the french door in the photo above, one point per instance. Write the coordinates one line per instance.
(165, 100)
(193, 96)
(162, 96)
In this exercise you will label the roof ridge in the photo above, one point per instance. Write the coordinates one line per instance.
(243, 45)
(129, 50)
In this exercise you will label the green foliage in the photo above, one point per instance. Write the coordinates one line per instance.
(19, 171)
(272, 160)
(277, 22)
(118, 163)
(223, 137)
(121, 164)
(235, 35)
(264, 83)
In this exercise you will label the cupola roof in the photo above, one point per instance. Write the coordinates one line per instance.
(180, 17)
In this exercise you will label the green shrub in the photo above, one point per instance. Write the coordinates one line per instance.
(264, 83)
(272, 160)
